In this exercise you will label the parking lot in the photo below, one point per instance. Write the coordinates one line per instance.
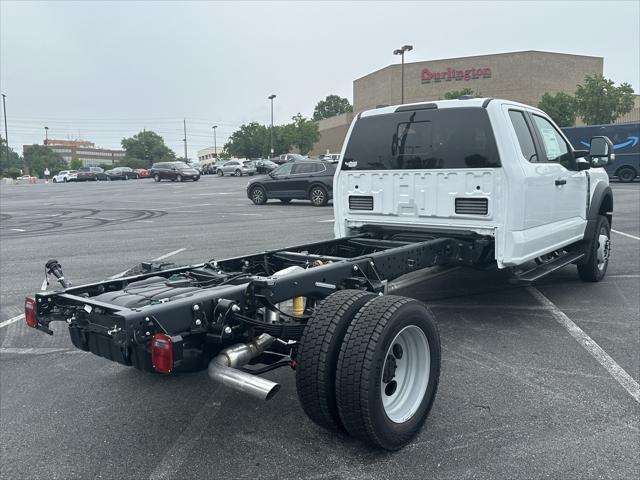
(525, 389)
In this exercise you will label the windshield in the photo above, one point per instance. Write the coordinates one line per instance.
(422, 139)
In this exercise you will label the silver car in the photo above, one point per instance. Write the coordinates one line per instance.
(237, 168)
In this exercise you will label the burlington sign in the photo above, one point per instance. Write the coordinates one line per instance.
(452, 74)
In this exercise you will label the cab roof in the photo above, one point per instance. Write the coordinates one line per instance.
(463, 102)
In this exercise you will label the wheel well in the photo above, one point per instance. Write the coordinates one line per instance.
(606, 208)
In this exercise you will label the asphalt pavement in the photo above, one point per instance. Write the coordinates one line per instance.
(523, 394)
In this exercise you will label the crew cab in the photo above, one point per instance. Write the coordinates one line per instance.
(475, 182)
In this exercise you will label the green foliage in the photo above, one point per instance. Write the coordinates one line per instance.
(599, 101)
(251, 140)
(561, 107)
(11, 166)
(131, 163)
(39, 157)
(149, 147)
(105, 166)
(331, 106)
(303, 133)
(76, 163)
(455, 94)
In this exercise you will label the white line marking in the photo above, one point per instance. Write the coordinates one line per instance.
(18, 230)
(616, 371)
(326, 221)
(35, 351)
(625, 234)
(162, 257)
(12, 320)
(144, 221)
(186, 442)
(623, 276)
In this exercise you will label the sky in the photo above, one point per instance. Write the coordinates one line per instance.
(102, 71)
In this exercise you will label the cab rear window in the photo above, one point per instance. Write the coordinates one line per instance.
(422, 139)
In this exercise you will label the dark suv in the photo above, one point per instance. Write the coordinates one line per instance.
(174, 171)
(303, 180)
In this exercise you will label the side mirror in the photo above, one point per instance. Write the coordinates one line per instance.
(601, 152)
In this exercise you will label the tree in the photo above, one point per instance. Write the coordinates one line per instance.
(561, 107)
(39, 157)
(249, 141)
(599, 101)
(455, 94)
(303, 133)
(75, 164)
(132, 163)
(331, 106)
(11, 166)
(149, 147)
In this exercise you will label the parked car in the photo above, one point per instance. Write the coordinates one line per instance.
(142, 172)
(174, 171)
(288, 157)
(301, 180)
(91, 174)
(65, 176)
(121, 173)
(265, 166)
(330, 157)
(237, 168)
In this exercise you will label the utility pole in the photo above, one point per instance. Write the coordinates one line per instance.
(400, 51)
(46, 135)
(6, 131)
(144, 146)
(215, 146)
(271, 97)
(185, 139)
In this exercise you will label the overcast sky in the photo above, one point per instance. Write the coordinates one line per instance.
(105, 70)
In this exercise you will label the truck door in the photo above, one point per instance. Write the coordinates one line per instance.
(567, 186)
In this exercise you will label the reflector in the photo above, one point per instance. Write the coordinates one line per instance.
(162, 353)
(30, 312)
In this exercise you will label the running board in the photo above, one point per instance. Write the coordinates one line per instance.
(540, 271)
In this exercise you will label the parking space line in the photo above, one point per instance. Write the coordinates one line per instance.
(326, 221)
(12, 320)
(162, 257)
(615, 370)
(625, 234)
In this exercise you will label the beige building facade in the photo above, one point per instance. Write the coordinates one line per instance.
(521, 76)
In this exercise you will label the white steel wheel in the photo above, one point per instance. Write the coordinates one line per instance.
(405, 374)
(604, 249)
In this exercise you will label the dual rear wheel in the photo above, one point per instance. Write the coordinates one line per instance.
(369, 365)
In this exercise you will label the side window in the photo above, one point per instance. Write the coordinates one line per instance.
(524, 135)
(283, 170)
(555, 148)
(302, 168)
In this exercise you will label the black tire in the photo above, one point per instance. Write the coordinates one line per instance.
(318, 196)
(318, 352)
(366, 348)
(258, 195)
(55, 181)
(285, 200)
(156, 177)
(238, 173)
(594, 268)
(220, 173)
(626, 174)
(196, 179)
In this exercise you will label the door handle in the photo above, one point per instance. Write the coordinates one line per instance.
(561, 181)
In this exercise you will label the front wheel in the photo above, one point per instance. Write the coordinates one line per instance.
(318, 196)
(594, 268)
(179, 178)
(156, 177)
(238, 173)
(626, 174)
(388, 371)
(258, 195)
(220, 173)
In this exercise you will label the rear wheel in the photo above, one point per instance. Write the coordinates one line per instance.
(156, 177)
(258, 195)
(598, 252)
(318, 355)
(318, 196)
(238, 173)
(388, 371)
(179, 178)
(626, 174)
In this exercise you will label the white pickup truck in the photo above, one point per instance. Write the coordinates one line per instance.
(477, 182)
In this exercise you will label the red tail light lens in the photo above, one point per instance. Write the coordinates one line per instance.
(30, 312)
(162, 353)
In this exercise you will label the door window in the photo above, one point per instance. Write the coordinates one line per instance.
(524, 135)
(555, 148)
(283, 170)
(304, 168)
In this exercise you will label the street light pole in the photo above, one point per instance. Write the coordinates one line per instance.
(6, 131)
(271, 97)
(46, 135)
(215, 146)
(184, 122)
(400, 51)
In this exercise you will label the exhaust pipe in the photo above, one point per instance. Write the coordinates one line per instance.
(223, 368)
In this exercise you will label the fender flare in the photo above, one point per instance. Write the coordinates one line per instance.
(602, 198)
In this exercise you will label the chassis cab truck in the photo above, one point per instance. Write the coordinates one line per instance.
(476, 182)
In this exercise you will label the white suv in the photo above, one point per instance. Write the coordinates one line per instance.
(65, 176)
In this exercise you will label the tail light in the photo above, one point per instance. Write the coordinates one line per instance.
(30, 312)
(162, 353)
